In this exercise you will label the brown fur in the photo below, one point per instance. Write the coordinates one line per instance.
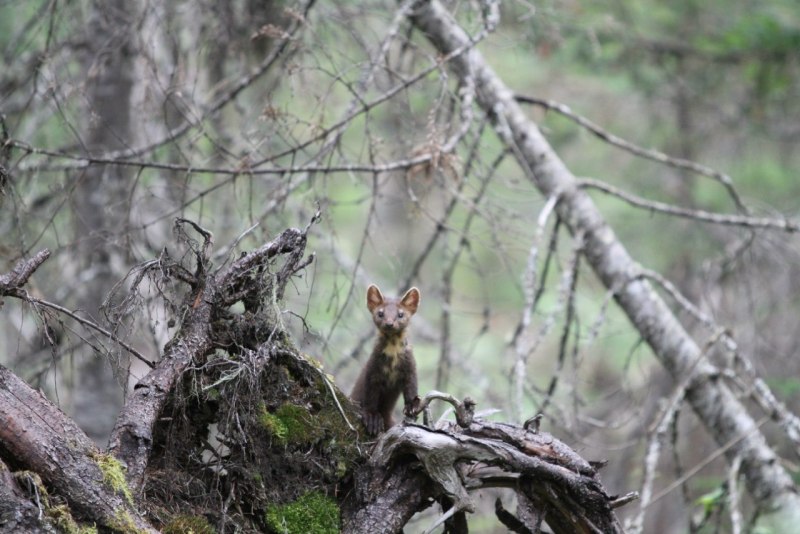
(391, 368)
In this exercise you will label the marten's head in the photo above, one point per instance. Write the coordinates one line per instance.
(391, 315)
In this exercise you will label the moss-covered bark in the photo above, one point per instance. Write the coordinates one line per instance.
(273, 432)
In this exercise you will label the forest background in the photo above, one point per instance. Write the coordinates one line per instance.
(249, 117)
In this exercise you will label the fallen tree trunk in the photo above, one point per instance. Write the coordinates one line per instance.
(37, 437)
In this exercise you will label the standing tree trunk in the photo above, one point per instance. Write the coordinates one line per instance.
(101, 206)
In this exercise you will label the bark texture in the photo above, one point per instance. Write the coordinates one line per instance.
(385, 499)
(724, 416)
(39, 437)
(17, 512)
(552, 482)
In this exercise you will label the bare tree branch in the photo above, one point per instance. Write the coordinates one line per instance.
(653, 155)
(746, 221)
(11, 283)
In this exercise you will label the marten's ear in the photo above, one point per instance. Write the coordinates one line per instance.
(410, 300)
(374, 297)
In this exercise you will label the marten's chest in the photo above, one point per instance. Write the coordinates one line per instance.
(392, 361)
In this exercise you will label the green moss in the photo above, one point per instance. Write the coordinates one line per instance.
(300, 425)
(60, 515)
(272, 424)
(188, 524)
(313, 513)
(114, 475)
(290, 424)
(63, 521)
(312, 360)
(341, 447)
(123, 522)
(341, 468)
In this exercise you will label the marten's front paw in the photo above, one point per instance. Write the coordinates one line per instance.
(373, 421)
(413, 408)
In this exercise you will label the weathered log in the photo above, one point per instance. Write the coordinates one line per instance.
(553, 483)
(41, 438)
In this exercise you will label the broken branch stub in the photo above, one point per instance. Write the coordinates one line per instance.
(11, 283)
(205, 326)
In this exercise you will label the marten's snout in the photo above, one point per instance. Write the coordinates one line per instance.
(390, 325)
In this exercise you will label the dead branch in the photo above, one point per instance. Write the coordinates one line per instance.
(653, 155)
(92, 326)
(11, 283)
(725, 219)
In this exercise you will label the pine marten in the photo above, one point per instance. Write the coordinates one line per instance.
(391, 368)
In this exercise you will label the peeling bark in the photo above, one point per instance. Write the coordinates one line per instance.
(553, 483)
(563, 487)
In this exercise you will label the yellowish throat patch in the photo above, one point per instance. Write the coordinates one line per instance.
(393, 352)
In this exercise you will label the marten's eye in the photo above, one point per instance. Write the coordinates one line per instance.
(380, 314)
(400, 314)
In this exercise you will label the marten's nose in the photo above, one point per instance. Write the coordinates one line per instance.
(390, 324)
